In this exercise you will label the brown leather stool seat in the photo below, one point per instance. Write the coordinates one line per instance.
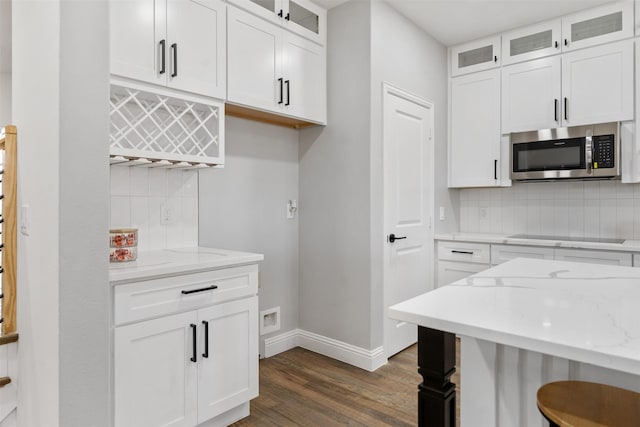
(585, 404)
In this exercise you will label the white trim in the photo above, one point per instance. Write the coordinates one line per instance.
(279, 343)
(369, 360)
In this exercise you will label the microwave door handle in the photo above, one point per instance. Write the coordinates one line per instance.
(588, 152)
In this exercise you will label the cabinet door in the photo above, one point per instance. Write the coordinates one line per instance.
(531, 95)
(597, 84)
(504, 253)
(597, 26)
(271, 10)
(197, 46)
(594, 257)
(449, 272)
(155, 380)
(306, 19)
(254, 63)
(228, 367)
(532, 42)
(137, 28)
(475, 56)
(474, 144)
(304, 68)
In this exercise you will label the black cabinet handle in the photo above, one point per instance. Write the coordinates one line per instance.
(556, 44)
(495, 59)
(555, 109)
(566, 42)
(163, 51)
(288, 92)
(462, 252)
(393, 238)
(195, 344)
(193, 291)
(206, 339)
(495, 169)
(565, 109)
(281, 99)
(174, 47)
(286, 18)
(280, 13)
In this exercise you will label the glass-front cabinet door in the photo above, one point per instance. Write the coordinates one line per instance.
(603, 24)
(532, 42)
(475, 56)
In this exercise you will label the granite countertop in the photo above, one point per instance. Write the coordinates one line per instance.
(177, 261)
(554, 242)
(583, 312)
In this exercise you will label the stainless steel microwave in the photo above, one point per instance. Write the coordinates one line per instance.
(591, 151)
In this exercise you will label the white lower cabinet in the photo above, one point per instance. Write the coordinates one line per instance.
(593, 257)
(504, 253)
(189, 367)
(449, 271)
(457, 260)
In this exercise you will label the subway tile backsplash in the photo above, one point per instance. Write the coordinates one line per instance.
(605, 209)
(138, 195)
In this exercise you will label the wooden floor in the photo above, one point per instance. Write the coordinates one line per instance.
(302, 388)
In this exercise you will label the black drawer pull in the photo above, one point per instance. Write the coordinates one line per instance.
(462, 252)
(193, 291)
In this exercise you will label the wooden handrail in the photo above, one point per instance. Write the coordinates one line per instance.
(9, 228)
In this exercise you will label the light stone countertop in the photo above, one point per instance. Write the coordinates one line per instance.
(584, 312)
(167, 262)
(626, 246)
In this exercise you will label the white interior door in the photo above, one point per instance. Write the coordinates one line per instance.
(408, 205)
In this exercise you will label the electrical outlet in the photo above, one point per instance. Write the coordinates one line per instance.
(483, 213)
(24, 220)
(166, 215)
(442, 216)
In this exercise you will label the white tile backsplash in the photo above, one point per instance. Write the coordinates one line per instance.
(138, 195)
(577, 209)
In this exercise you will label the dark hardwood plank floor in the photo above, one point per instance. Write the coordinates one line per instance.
(302, 388)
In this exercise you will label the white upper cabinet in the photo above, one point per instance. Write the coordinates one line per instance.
(532, 42)
(299, 16)
(531, 95)
(274, 70)
(597, 84)
(175, 43)
(475, 56)
(253, 58)
(475, 141)
(603, 24)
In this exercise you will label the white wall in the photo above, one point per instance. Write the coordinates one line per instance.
(5, 62)
(60, 108)
(243, 207)
(605, 209)
(137, 196)
(335, 234)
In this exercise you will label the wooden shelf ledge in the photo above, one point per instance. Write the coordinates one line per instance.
(4, 381)
(8, 338)
(264, 117)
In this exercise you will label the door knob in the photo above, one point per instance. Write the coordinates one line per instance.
(393, 238)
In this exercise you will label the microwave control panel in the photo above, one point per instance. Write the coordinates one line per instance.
(603, 151)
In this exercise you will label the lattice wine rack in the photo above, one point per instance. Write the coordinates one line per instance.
(162, 131)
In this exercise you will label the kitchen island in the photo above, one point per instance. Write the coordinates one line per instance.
(522, 324)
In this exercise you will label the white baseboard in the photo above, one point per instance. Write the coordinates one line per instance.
(369, 360)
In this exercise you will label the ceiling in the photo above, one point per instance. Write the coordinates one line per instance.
(457, 21)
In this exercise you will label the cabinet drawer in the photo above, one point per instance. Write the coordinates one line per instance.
(159, 297)
(593, 257)
(477, 253)
(451, 271)
(504, 253)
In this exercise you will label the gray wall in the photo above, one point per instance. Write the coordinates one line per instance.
(405, 56)
(341, 227)
(334, 189)
(243, 207)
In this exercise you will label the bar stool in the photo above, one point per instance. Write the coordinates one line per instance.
(585, 404)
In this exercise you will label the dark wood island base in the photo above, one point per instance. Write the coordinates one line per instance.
(436, 364)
